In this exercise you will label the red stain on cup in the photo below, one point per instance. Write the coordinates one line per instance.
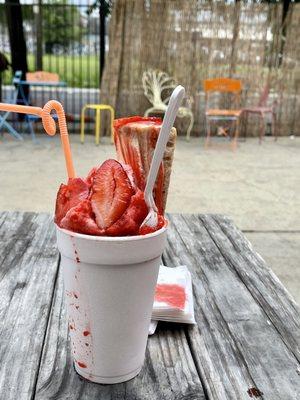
(81, 364)
(174, 295)
(75, 251)
(86, 333)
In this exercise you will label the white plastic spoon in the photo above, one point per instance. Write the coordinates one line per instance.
(175, 101)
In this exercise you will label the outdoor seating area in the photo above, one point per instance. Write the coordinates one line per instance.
(149, 211)
(156, 82)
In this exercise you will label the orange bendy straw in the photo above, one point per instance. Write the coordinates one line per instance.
(49, 125)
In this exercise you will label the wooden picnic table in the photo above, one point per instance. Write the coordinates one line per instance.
(245, 344)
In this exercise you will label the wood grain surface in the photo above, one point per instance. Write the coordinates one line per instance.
(245, 344)
(28, 268)
(247, 339)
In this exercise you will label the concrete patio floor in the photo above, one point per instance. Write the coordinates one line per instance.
(257, 186)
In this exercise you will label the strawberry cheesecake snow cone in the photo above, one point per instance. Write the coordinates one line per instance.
(110, 267)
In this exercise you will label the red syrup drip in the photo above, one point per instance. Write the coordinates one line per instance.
(174, 295)
(76, 256)
(86, 333)
(81, 364)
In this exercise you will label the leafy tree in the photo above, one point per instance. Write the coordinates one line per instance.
(62, 25)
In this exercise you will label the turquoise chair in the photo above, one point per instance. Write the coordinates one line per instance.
(13, 99)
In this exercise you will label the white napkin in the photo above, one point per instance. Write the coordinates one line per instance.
(173, 300)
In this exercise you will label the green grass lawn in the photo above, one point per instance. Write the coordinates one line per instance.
(77, 71)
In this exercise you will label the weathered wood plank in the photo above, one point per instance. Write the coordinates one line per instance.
(169, 372)
(28, 267)
(236, 346)
(264, 285)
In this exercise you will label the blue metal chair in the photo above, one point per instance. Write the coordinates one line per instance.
(17, 81)
(12, 100)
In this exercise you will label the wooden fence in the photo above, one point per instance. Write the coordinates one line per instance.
(193, 40)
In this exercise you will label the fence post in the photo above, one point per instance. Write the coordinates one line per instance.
(17, 42)
(39, 36)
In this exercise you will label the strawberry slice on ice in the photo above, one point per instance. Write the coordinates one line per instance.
(80, 219)
(130, 221)
(112, 192)
(144, 230)
(69, 196)
(90, 178)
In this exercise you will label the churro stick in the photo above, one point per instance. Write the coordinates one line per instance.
(135, 140)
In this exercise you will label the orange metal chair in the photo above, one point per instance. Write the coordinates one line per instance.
(223, 85)
(42, 76)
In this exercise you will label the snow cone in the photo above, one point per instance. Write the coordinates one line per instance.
(110, 271)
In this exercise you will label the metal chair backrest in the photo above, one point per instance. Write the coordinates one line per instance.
(16, 80)
(17, 77)
(42, 76)
(262, 102)
(223, 85)
(155, 82)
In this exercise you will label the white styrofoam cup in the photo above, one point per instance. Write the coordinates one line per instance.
(109, 284)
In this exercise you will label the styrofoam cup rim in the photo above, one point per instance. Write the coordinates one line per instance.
(113, 238)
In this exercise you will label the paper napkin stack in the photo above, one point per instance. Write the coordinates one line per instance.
(173, 300)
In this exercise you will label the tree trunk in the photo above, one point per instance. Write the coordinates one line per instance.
(102, 15)
(17, 42)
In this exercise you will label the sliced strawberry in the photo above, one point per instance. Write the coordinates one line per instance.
(69, 196)
(90, 178)
(80, 219)
(112, 192)
(146, 229)
(130, 221)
